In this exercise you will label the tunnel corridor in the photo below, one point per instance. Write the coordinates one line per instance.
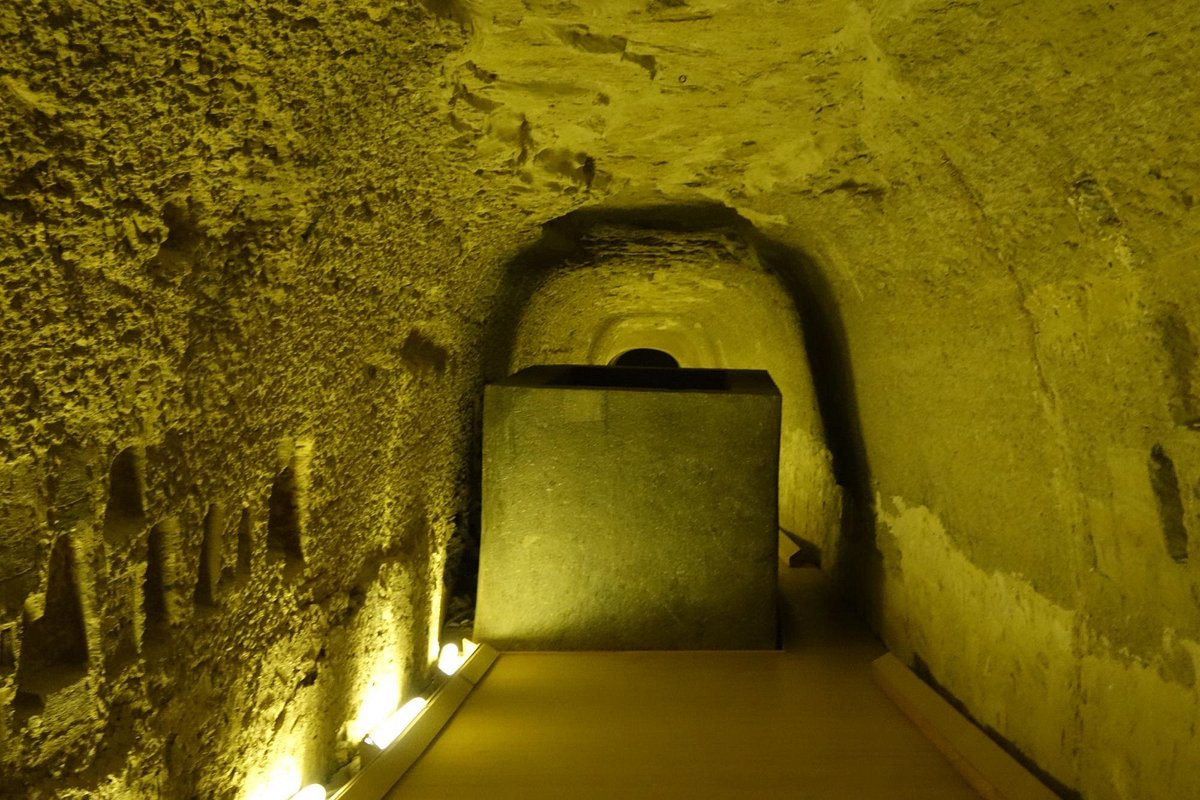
(260, 264)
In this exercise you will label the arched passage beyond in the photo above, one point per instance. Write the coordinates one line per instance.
(645, 357)
(702, 283)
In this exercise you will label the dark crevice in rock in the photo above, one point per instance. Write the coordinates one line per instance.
(1165, 482)
(155, 584)
(1183, 355)
(8, 650)
(283, 523)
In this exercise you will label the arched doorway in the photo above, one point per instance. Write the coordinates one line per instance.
(645, 357)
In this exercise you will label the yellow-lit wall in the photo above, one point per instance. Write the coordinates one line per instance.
(232, 240)
(229, 231)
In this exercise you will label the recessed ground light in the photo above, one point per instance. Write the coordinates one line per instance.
(396, 744)
(390, 729)
(314, 791)
(451, 658)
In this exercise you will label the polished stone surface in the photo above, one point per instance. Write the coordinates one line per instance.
(629, 509)
(804, 723)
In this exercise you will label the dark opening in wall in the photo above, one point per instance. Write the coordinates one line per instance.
(244, 545)
(645, 357)
(54, 650)
(1183, 356)
(461, 573)
(8, 649)
(710, 380)
(1165, 482)
(210, 557)
(154, 587)
(283, 523)
(124, 515)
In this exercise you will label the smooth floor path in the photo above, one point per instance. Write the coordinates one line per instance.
(804, 722)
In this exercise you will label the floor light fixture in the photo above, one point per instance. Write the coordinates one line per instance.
(390, 729)
(314, 791)
(451, 658)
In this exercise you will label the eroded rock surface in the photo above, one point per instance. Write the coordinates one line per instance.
(238, 241)
(234, 271)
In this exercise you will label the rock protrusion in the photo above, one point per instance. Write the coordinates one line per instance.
(245, 545)
(210, 557)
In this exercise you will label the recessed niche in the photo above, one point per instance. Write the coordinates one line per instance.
(124, 514)
(155, 584)
(645, 357)
(245, 548)
(210, 556)
(54, 649)
(1165, 482)
(8, 649)
(283, 523)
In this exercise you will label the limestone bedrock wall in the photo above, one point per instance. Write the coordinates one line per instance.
(248, 253)
(703, 297)
(238, 284)
(1002, 198)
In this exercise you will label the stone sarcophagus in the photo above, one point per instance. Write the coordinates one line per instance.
(629, 508)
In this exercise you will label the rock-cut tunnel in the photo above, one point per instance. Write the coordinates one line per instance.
(264, 267)
(701, 285)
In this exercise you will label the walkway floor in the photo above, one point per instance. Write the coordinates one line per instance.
(805, 722)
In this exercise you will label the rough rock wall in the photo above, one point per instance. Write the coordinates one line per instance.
(237, 283)
(1001, 195)
(246, 255)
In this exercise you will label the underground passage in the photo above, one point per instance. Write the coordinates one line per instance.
(634, 398)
